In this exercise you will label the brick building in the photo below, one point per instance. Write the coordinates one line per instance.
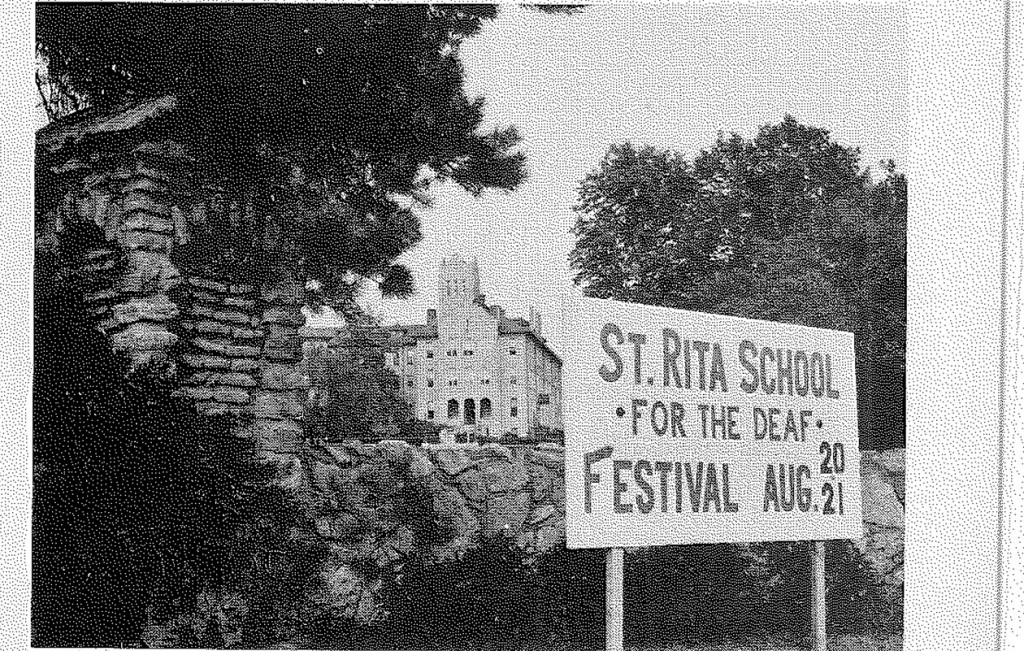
(474, 369)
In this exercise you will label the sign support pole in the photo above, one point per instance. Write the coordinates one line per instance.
(613, 599)
(818, 640)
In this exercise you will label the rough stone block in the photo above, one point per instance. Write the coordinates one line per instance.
(246, 333)
(156, 309)
(227, 316)
(143, 337)
(149, 223)
(206, 361)
(275, 331)
(879, 501)
(277, 436)
(146, 241)
(231, 395)
(208, 285)
(149, 272)
(197, 392)
(284, 292)
(166, 151)
(244, 365)
(283, 376)
(227, 350)
(450, 460)
(102, 296)
(144, 202)
(541, 513)
(222, 378)
(213, 328)
(288, 354)
(505, 514)
(546, 459)
(244, 304)
(145, 185)
(283, 315)
(277, 405)
(150, 172)
(504, 477)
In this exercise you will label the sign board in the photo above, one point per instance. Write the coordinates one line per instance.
(683, 427)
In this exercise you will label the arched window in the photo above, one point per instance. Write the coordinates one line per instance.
(469, 411)
(453, 408)
(485, 408)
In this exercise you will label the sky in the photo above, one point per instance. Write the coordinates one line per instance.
(670, 76)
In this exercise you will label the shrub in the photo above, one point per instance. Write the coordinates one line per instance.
(355, 396)
(139, 505)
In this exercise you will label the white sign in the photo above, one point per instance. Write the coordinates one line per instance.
(682, 427)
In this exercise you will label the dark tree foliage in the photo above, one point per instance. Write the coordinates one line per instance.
(357, 397)
(782, 591)
(499, 597)
(785, 227)
(494, 598)
(325, 112)
(137, 501)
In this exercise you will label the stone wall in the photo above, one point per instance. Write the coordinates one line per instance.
(155, 225)
(480, 492)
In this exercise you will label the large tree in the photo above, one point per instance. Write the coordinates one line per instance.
(331, 116)
(786, 227)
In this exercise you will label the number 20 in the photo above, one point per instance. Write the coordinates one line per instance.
(834, 460)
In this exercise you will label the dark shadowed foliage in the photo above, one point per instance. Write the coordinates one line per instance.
(139, 504)
(495, 597)
(323, 115)
(856, 602)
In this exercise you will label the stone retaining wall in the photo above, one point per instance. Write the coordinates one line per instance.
(516, 493)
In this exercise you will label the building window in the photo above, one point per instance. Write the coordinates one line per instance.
(543, 398)
(453, 408)
(430, 414)
(453, 383)
(430, 383)
(486, 380)
(513, 409)
(430, 354)
(485, 407)
(511, 351)
(467, 353)
(469, 411)
(409, 383)
(512, 380)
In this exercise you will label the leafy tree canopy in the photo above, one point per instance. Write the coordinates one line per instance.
(785, 227)
(345, 106)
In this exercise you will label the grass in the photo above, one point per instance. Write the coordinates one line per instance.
(866, 642)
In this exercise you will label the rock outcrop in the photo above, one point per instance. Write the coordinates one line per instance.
(467, 494)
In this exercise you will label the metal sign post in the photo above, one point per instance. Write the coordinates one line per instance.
(613, 599)
(818, 640)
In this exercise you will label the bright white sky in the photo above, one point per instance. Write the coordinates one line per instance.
(671, 76)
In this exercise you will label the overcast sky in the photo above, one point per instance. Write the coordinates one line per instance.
(671, 76)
